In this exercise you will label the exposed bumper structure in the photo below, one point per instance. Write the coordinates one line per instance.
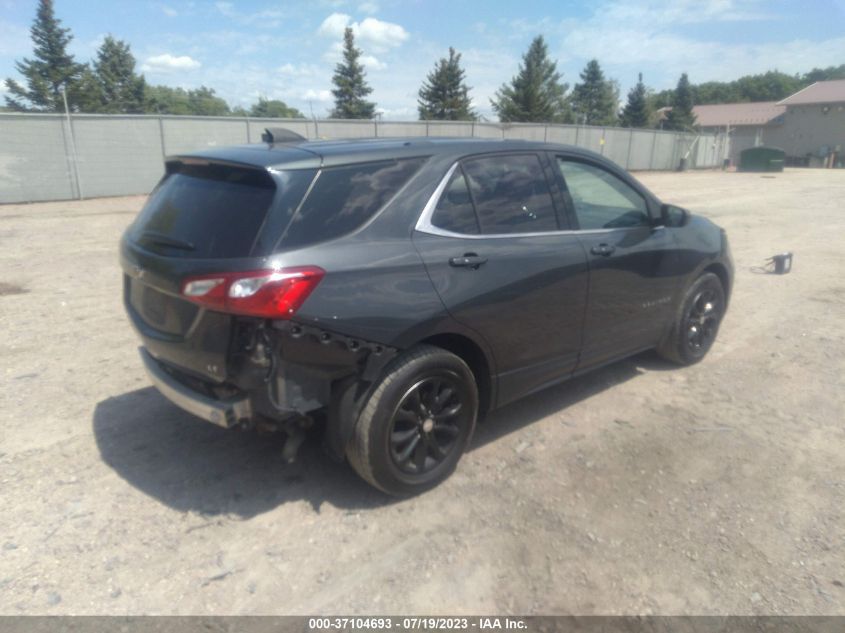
(224, 413)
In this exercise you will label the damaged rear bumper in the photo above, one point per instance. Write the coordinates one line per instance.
(224, 413)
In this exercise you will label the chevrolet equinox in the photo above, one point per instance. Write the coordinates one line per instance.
(395, 290)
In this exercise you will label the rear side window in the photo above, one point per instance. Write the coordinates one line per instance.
(455, 211)
(344, 198)
(511, 194)
(209, 211)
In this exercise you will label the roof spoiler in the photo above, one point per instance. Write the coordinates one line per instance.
(281, 135)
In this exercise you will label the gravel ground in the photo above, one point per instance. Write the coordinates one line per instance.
(641, 488)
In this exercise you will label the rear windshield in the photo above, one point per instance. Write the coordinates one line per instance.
(344, 198)
(210, 211)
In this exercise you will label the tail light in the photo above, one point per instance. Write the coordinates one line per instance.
(272, 294)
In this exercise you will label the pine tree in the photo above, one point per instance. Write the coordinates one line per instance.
(535, 94)
(51, 70)
(636, 112)
(351, 86)
(681, 116)
(444, 95)
(122, 90)
(594, 100)
(86, 92)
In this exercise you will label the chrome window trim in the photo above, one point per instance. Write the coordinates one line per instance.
(424, 224)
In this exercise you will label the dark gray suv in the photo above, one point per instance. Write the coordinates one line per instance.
(394, 290)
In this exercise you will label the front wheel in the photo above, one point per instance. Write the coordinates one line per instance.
(417, 422)
(696, 322)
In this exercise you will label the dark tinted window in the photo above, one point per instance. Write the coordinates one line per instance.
(601, 200)
(454, 210)
(344, 198)
(205, 211)
(511, 194)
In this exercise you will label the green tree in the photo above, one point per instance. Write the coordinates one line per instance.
(444, 95)
(120, 89)
(166, 100)
(86, 92)
(51, 70)
(636, 112)
(201, 101)
(594, 100)
(535, 94)
(681, 116)
(824, 74)
(351, 86)
(274, 109)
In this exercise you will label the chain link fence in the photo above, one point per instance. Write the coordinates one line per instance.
(54, 157)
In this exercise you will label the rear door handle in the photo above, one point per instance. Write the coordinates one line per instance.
(603, 249)
(468, 260)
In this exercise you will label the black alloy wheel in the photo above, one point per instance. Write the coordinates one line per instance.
(416, 423)
(427, 424)
(702, 320)
(696, 323)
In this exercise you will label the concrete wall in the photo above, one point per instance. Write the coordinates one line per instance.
(43, 157)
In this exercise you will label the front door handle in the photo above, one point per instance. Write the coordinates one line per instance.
(603, 249)
(468, 260)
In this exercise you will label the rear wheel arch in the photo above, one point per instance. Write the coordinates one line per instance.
(474, 356)
(349, 395)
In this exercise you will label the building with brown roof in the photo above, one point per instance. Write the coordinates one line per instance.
(814, 124)
(809, 125)
(747, 124)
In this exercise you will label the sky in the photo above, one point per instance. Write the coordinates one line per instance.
(286, 49)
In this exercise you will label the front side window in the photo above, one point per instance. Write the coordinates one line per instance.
(601, 200)
(511, 194)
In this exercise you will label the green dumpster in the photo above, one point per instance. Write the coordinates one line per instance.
(761, 159)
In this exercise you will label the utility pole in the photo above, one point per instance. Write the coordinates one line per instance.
(72, 145)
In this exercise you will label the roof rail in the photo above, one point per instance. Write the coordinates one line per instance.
(281, 135)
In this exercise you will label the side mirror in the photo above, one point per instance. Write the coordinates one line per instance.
(673, 216)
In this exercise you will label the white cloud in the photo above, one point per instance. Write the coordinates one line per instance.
(371, 34)
(372, 63)
(168, 11)
(299, 70)
(380, 35)
(267, 18)
(334, 25)
(323, 96)
(625, 47)
(169, 63)
(655, 13)
(368, 7)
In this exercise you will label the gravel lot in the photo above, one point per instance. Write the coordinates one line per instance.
(716, 489)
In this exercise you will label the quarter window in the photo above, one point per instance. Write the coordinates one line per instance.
(455, 211)
(344, 198)
(601, 200)
(511, 194)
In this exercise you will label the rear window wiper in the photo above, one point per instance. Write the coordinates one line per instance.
(165, 240)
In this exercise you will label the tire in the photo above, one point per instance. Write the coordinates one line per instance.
(412, 430)
(696, 322)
